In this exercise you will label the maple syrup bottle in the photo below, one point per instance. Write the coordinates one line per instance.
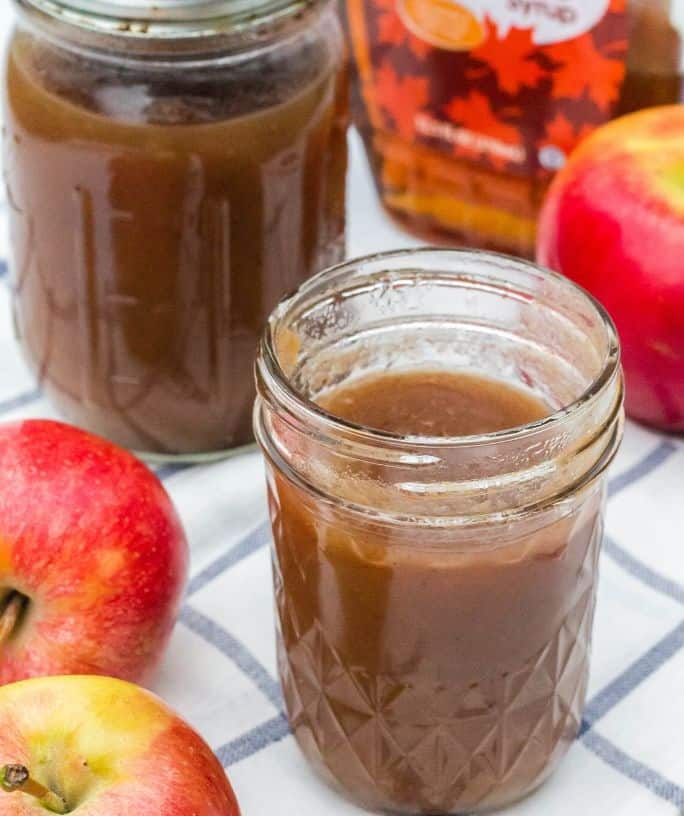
(468, 109)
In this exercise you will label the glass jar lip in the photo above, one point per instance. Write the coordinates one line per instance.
(166, 10)
(172, 20)
(308, 410)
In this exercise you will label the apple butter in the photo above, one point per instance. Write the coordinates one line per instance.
(161, 203)
(436, 530)
(433, 403)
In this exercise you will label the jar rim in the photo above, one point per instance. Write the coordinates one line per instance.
(165, 10)
(268, 361)
(135, 22)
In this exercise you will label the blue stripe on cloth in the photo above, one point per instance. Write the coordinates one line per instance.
(644, 573)
(616, 691)
(259, 537)
(20, 400)
(636, 568)
(254, 741)
(235, 651)
(635, 770)
(642, 468)
(277, 728)
(4, 268)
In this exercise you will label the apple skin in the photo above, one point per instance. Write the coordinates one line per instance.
(108, 748)
(89, 535)
(613, 222)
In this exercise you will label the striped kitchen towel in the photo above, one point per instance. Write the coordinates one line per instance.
(220, 672)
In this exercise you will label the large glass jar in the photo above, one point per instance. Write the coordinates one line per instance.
(436, 595)
(468, 108)
(172, 170)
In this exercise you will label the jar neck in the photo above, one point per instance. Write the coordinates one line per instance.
(444, 481)
(465, 482)
(171, 37)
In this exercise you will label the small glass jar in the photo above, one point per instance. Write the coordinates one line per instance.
(173, 169)
(435, 595)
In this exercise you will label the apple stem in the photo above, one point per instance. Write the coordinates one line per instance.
(16, 778)
(9, 617)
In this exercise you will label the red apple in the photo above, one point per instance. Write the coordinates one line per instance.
(614, 223)
(94, 746)
(93, 558)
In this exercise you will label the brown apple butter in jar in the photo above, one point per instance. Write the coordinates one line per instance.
(172, 171)
(437, 427)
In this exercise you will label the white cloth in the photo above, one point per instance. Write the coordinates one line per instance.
(220, 671)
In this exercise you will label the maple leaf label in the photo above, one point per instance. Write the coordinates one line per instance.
(506, 87)
(468, 140)
(511, 59)
(549, 21)
(401, 98)
(581, 67)
(393, 32)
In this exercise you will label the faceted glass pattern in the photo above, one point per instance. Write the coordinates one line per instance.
(379, 703)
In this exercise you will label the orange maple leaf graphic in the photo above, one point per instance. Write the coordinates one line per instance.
(401, 97)
(392, 31)
(582, 67)
(561, 132)
(475, 113)
(511, 58)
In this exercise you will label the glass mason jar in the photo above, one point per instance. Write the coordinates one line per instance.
(435, 595)
(172, 171)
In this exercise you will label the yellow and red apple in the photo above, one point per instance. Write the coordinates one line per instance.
(95, 746)
(614, 223)
(93, 558)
